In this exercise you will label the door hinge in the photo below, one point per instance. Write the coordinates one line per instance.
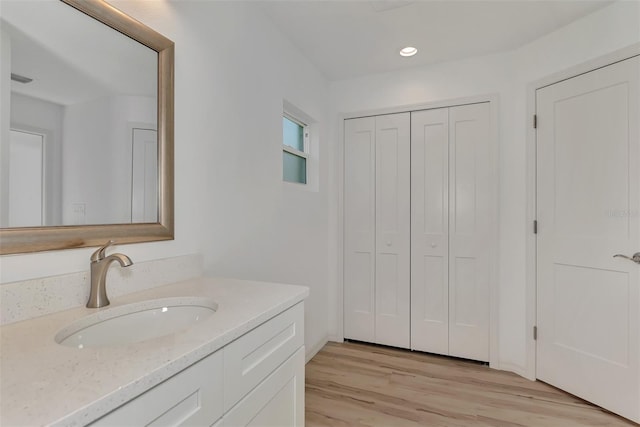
(535, 121)
(535, 226)
(535, 333)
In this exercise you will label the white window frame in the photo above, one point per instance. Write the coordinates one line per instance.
(306, 145)
(312, 134)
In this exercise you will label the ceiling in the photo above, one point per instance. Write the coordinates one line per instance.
(67, 69)
(348, 38)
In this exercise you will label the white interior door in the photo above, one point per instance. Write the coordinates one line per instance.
(392, 271)
(430, 230)
(360, 228)
(470, 225)
(144, 172)
(589, 210)
(26, 155)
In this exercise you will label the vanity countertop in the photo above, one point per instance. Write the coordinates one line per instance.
(44, 383)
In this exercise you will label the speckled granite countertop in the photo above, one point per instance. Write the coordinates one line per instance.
(44, 383)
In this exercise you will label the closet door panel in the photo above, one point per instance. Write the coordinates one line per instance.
(359, 250)
(429, 231)
(469, 228)
(392, 176)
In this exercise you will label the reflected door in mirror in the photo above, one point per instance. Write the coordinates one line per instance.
(144, 172)
(25, 179)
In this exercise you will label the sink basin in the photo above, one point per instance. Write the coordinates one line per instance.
(136, 322)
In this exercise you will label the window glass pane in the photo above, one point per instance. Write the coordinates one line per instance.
(294, 168)
(292, 134)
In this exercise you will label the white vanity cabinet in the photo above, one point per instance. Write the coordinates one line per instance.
(257, 379)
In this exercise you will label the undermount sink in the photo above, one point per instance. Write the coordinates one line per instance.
(136, 322)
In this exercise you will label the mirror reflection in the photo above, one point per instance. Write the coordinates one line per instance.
(79, 145)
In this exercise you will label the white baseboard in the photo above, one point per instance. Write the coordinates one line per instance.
(511, 367)
(315, 349)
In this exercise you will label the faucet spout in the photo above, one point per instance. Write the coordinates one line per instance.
(99, 267)
(124, 260)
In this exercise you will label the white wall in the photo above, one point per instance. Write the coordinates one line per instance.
(233, 69)
(98, 144)
(508, 75)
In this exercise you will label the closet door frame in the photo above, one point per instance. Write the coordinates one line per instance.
(492, 244)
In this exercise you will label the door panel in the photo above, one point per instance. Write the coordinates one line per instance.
(429, 231)
(465, 312)
(585, 162)
(469, 230)
(604, 314)
(588, 210)
(359, 250)
(26, 153)
(144, 173)
(392, 282)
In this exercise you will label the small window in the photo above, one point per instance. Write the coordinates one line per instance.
(295, 150)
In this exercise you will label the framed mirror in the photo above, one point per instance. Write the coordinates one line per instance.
(87, 139)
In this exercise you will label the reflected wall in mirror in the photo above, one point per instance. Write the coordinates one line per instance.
(87, 127)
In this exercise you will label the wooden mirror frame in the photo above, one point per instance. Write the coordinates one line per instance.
(36, 239)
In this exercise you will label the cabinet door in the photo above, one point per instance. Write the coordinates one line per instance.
(470, 225)
(392, 264)
(192, 397)
(276, 402)
(359, 223)
(430, 230)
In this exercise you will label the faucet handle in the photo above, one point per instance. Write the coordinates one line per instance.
(100, 253)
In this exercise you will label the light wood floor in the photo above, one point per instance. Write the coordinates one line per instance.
(355, 384)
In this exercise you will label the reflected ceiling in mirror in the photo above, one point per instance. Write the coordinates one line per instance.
(87, 127)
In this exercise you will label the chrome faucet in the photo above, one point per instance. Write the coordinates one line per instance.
(99, 267)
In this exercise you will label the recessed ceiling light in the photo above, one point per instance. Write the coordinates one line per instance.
(408, 51)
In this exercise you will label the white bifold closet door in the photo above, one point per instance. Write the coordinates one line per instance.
(430, 231)
(451, 226)
(377, 229)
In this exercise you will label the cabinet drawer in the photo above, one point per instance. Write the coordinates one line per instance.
(277, 401)
(252, 357)
(191, 397)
